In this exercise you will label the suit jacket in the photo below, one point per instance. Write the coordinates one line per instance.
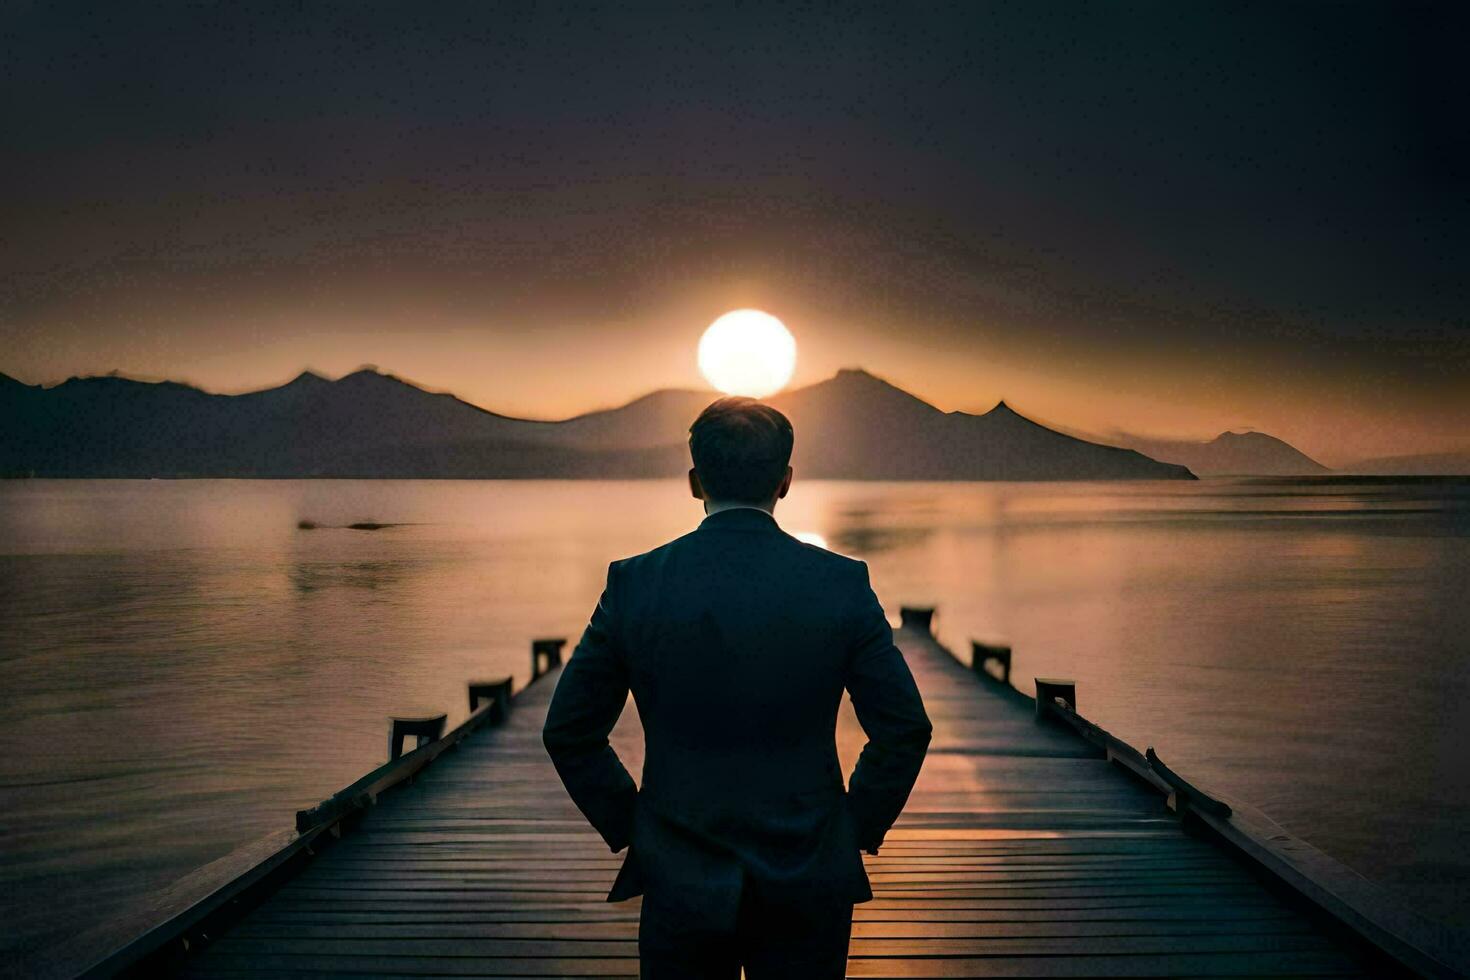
(737, 641)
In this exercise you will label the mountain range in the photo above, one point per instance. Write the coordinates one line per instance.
(851, 426)
(369, 424)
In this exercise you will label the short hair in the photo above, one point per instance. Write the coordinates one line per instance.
(741, 448)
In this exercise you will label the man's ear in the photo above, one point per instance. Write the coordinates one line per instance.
(785, 484)
(695, 487)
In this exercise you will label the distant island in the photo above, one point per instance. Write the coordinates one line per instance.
(1230, 454)
(1418, 464)
(1259, 454)
(370, 425)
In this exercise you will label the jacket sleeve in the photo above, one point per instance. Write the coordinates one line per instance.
(590, 696)
(892, 714)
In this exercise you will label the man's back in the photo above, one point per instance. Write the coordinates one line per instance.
(738, 637)
(737, 642)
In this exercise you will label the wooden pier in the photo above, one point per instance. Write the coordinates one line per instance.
(1034, 845)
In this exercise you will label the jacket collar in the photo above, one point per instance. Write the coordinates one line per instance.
(740, 519)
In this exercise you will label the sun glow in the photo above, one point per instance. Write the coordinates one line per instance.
(747, 352)
(811, 537)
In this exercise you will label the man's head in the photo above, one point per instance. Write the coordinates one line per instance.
(742, 453)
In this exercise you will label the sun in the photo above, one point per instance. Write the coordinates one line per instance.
(747, 352)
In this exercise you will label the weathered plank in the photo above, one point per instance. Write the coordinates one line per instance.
(899, 929)
(1276, 963)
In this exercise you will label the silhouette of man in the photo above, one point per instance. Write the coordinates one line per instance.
(737, 641)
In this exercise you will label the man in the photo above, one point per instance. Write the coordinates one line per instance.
(737, 641)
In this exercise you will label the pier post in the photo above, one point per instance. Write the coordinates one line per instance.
(917, 617)
(1053, 692)
(425, 730)
(1184, 795)
(983, 654)
(547, 650)
(497, 691)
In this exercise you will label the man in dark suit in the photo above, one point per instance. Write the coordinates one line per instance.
(737, 641)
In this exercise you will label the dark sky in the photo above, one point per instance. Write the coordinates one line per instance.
(1168, 218)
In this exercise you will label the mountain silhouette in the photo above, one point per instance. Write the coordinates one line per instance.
(658, 419)
(370, 424)
(856, 423)
(1230, 454)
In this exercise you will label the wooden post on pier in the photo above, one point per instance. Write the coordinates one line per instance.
(917, 617)
(546, 654)
(425, 730)
(1052, 692)
(1184, 795)
(497, 691)
(982, 655)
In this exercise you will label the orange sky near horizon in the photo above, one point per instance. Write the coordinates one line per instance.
(556, 371)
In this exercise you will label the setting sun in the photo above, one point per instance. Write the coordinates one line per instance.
(747, 352)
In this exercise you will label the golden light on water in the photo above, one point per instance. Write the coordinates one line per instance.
(747, 352)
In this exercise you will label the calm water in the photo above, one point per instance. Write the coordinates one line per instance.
(183, 668)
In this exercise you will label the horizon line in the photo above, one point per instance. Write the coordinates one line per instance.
(1102, 436)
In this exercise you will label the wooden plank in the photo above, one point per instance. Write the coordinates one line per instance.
(627, 928)
(912, 913)
(1216, 891)
(356, 877)
(1271, 964)
(279, 965)
(566, 945)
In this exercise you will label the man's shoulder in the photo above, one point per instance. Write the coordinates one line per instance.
(830, 560)
(653, 555)
(811, 555)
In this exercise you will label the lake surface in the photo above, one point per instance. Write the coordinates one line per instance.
(183, 668)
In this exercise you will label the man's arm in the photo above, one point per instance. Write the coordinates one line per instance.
(589, 698)
(891, 712)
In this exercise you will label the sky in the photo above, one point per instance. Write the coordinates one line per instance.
(1169, 219)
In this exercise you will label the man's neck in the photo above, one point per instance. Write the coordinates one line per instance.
(715, 506)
